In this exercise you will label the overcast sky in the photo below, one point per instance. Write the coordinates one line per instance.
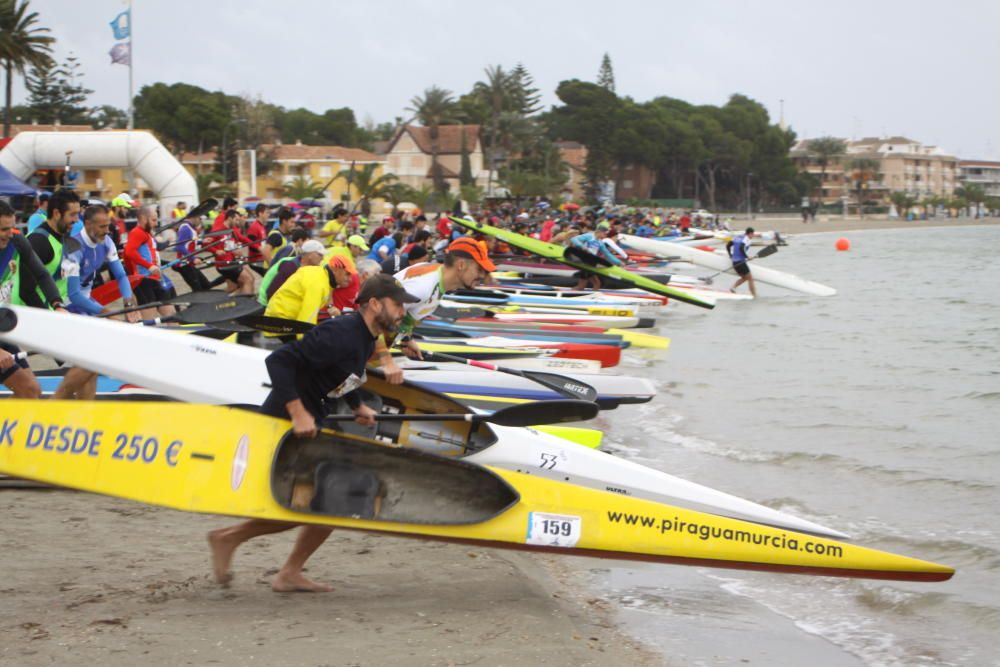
(851, 68)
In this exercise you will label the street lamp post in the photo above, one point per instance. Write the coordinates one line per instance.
(749, 211)
(225, 155)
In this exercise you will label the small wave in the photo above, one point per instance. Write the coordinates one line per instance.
(979, 396)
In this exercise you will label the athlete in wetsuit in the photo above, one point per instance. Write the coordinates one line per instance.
(329, 361)
(84, 255)
(16, 256)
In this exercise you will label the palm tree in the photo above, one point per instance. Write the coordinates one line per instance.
(211, 185)
(823, 150)
(303, 187)
(368, 185)
(21, 45)
(422, 196)
(435, 108)
(496, 93)
(863, 171)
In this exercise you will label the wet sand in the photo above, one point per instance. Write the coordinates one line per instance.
(95, 580)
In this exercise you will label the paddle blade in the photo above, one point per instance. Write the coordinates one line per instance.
(543, 412)
(228, 309)
(567, 386)
(767, 251)
(275, 325)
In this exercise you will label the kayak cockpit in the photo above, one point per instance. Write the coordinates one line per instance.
(338, 474)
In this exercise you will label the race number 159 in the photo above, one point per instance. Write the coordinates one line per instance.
(553, 530)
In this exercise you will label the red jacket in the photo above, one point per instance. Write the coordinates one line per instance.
(135, 258)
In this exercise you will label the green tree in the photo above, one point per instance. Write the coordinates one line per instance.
(903, 202)
(975, 195)
(589, 115)
(436, 107)
(22, 43)
(471, 194)
(823, 150)
(185, 117)
(526, 100)
(56, 93)
(303, 187)
(107, 116)
(368, 185)
(606, 75)
(422, 197)
(863, 172)
(211, 185)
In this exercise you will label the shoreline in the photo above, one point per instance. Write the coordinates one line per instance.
(795, 227)
(100, 579)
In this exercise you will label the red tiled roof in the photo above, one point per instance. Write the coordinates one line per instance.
(449, 138)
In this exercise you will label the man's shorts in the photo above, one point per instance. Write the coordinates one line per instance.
(231, 273)
(18, 363)
(741, 269)
(149, 290)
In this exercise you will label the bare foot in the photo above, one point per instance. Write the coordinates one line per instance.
(222, 555)
(285, 582)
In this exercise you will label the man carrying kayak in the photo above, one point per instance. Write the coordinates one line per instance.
(739, 249)
(329, 361)
(16, 257)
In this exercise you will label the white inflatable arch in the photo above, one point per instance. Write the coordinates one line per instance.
(116, 149)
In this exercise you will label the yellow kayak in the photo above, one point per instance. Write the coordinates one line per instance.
(220, 460)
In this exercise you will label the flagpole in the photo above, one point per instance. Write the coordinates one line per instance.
(131, 94)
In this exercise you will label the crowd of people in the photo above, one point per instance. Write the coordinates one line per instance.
(363, 288)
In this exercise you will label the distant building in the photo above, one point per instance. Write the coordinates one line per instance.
(984, 173)
(409, 155)
(905, 165)
(634, 181)
(280, 164)
(574, 156)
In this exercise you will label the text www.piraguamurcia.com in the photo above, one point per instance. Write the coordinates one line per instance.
(705, 532)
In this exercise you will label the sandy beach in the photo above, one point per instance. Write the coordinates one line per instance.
(95, 580)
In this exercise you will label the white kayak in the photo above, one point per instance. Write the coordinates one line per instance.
(203, 370)
(721, 262)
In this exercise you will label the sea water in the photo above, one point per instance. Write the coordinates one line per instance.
(875, 412)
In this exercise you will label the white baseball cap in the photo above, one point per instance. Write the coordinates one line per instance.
(312, 245)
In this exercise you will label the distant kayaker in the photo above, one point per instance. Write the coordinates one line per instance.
(739, 249)
(329, 361)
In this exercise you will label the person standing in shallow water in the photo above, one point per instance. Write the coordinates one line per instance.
(738, 249)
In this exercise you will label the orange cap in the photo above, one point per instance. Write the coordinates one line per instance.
(474, 249)
(338, 262)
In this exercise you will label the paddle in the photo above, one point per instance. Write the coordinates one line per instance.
(274, 325)
(766, 251)
(524, 414)
(207, 296)
(560, 384)
(208, 313)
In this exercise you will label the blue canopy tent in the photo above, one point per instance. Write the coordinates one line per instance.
(11, 185)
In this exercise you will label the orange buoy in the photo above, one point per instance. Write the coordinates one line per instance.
(843, 244)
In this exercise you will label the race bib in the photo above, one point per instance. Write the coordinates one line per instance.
(6, 289)
(553, 530)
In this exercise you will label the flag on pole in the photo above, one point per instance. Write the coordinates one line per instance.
(122, 25)
(121, 54)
